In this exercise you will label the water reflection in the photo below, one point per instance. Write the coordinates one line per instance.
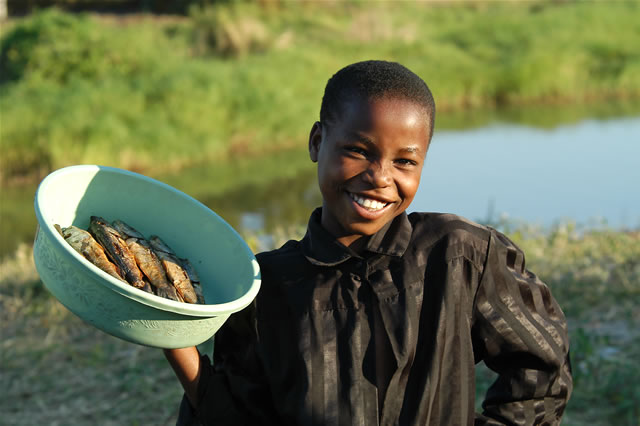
(281, 202)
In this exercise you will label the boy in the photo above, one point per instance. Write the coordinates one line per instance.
(376, 316)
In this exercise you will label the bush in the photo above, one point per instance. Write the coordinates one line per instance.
(228, 30)
(57, 47)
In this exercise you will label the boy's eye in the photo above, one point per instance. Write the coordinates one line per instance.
(356, 150)
(406, 162)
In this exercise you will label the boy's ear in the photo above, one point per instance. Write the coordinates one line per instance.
(315, 138)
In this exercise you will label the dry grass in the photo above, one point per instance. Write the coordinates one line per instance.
(57, 371)
(77, 375)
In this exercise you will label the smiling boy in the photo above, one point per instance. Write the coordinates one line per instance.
(369, 163)
(376, 316)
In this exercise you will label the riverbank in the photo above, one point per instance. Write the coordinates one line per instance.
(245, 81)
(56, 369)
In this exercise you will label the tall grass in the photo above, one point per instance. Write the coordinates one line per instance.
(242, 80)
(57, 370)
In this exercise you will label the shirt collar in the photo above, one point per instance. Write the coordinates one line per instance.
(322, 248)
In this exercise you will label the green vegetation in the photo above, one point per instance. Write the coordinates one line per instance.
(56, 369)
(239, 79)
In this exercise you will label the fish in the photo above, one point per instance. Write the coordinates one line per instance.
(59, 229)
(147, 260)
(90, 249)
(175, 272)
(195, 279)
(147, 287)
(117, 250)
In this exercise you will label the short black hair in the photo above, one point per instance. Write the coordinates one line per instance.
(375, 79)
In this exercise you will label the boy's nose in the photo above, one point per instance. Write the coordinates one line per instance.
(378, 175)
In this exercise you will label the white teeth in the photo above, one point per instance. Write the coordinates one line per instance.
(368, 203)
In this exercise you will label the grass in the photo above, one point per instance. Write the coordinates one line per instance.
(57, 370)
(244, 80)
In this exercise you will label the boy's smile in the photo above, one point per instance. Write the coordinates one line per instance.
(369, 164)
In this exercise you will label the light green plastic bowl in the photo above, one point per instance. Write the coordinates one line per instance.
(228, 271)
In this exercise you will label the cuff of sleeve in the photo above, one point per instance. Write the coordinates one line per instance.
(206, 371)
(214, 400)
(186, 414)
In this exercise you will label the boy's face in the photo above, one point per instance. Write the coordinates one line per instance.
(369, 164)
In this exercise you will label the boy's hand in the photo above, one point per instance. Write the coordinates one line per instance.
(186, 364)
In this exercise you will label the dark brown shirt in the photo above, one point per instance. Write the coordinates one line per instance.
(391, 336)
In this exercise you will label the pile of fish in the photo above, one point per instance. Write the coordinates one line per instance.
(124, 253)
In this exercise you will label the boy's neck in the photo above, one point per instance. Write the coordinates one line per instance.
(356, 245)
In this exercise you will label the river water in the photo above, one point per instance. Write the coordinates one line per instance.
(587, 172)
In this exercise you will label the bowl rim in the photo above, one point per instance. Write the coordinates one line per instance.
(125, 289)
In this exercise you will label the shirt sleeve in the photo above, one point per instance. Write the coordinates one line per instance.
(520, 332)
(234, 390)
